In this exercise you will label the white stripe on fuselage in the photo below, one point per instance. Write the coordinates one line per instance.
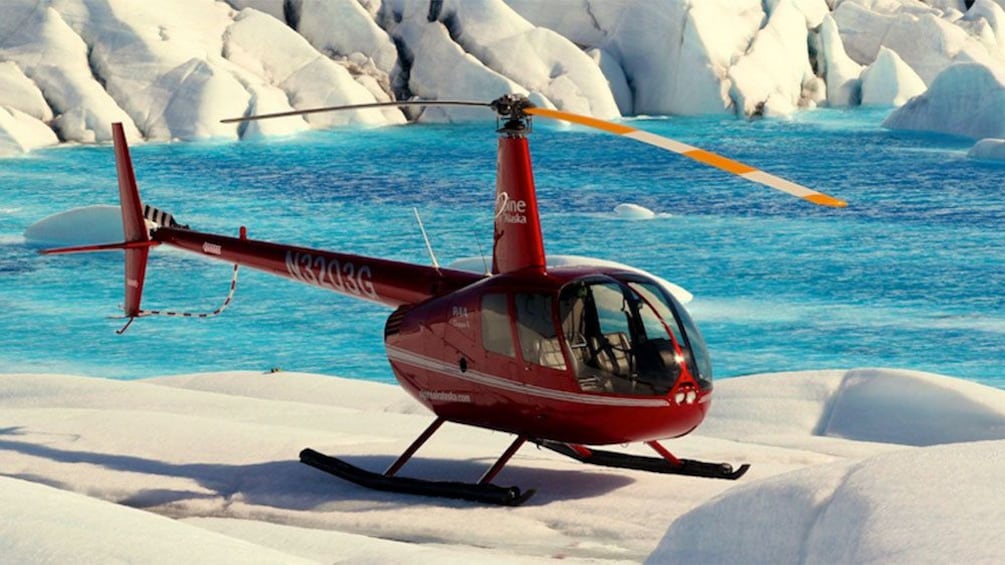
(451, 370)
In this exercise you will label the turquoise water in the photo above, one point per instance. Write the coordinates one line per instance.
(910, 275)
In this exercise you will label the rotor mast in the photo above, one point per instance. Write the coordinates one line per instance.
(517, 240)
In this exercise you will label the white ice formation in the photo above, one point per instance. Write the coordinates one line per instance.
(966, 99)
(990, 149)
(173, 70)
(633, 212)
(86, 225)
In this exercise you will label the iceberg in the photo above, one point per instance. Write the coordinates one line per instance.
(698, 42)
(918, 33)
(174, 70)
(842, 74)
(633, 212)
(55, 58)
(439, 69)
(479, 51)
(989, 149)
(537, 58)
(162, 64)
(344, 30)
(267, 48)
(20, 133)
(966, 99)
(19, 92)
(889, 81)
(774, 76)
(86, 225)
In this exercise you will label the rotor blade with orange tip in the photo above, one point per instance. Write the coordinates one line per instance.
(700, 155)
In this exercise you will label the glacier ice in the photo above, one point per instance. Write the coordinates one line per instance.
(966, 99)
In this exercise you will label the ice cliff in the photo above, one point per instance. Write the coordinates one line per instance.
(173, 70)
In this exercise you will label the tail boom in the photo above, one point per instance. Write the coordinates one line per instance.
(391, 283)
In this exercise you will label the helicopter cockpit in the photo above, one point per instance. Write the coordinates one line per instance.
(624, 333)
(628, 335)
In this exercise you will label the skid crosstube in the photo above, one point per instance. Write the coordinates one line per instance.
(476, 492)
(688, 467)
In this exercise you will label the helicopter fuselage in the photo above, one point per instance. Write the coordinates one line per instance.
(572, 354)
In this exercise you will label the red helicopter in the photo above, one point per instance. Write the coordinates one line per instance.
(565, 357)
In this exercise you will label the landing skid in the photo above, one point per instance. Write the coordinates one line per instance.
(475, 492)
(482, 491)
(486, 492)
(666, 464)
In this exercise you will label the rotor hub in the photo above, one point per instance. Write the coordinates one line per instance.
(509, 109)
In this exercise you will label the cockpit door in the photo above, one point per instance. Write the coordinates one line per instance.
(625, 335)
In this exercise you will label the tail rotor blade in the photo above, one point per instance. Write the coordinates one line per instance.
(705, 157)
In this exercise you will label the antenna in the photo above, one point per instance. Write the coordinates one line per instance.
(485, 262)
(425, 237)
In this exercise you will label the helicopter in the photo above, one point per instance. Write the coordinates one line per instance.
(565, 357)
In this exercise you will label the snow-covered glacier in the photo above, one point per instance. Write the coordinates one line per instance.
(173, 70)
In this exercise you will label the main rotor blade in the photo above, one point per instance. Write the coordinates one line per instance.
(399, 103)
(700, 155)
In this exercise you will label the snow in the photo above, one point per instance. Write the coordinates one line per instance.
(893, 508)
(57, 526)
(965, 99)
(866, 465)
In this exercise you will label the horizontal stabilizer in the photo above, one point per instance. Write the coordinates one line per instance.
(99, 247)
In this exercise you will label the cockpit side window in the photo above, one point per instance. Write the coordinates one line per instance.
(496, 335)
(539, 343)
(599, 324)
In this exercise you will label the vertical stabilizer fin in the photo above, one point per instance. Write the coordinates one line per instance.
(134, 227)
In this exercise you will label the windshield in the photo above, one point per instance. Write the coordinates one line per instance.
(679, 322)
(629, 336)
